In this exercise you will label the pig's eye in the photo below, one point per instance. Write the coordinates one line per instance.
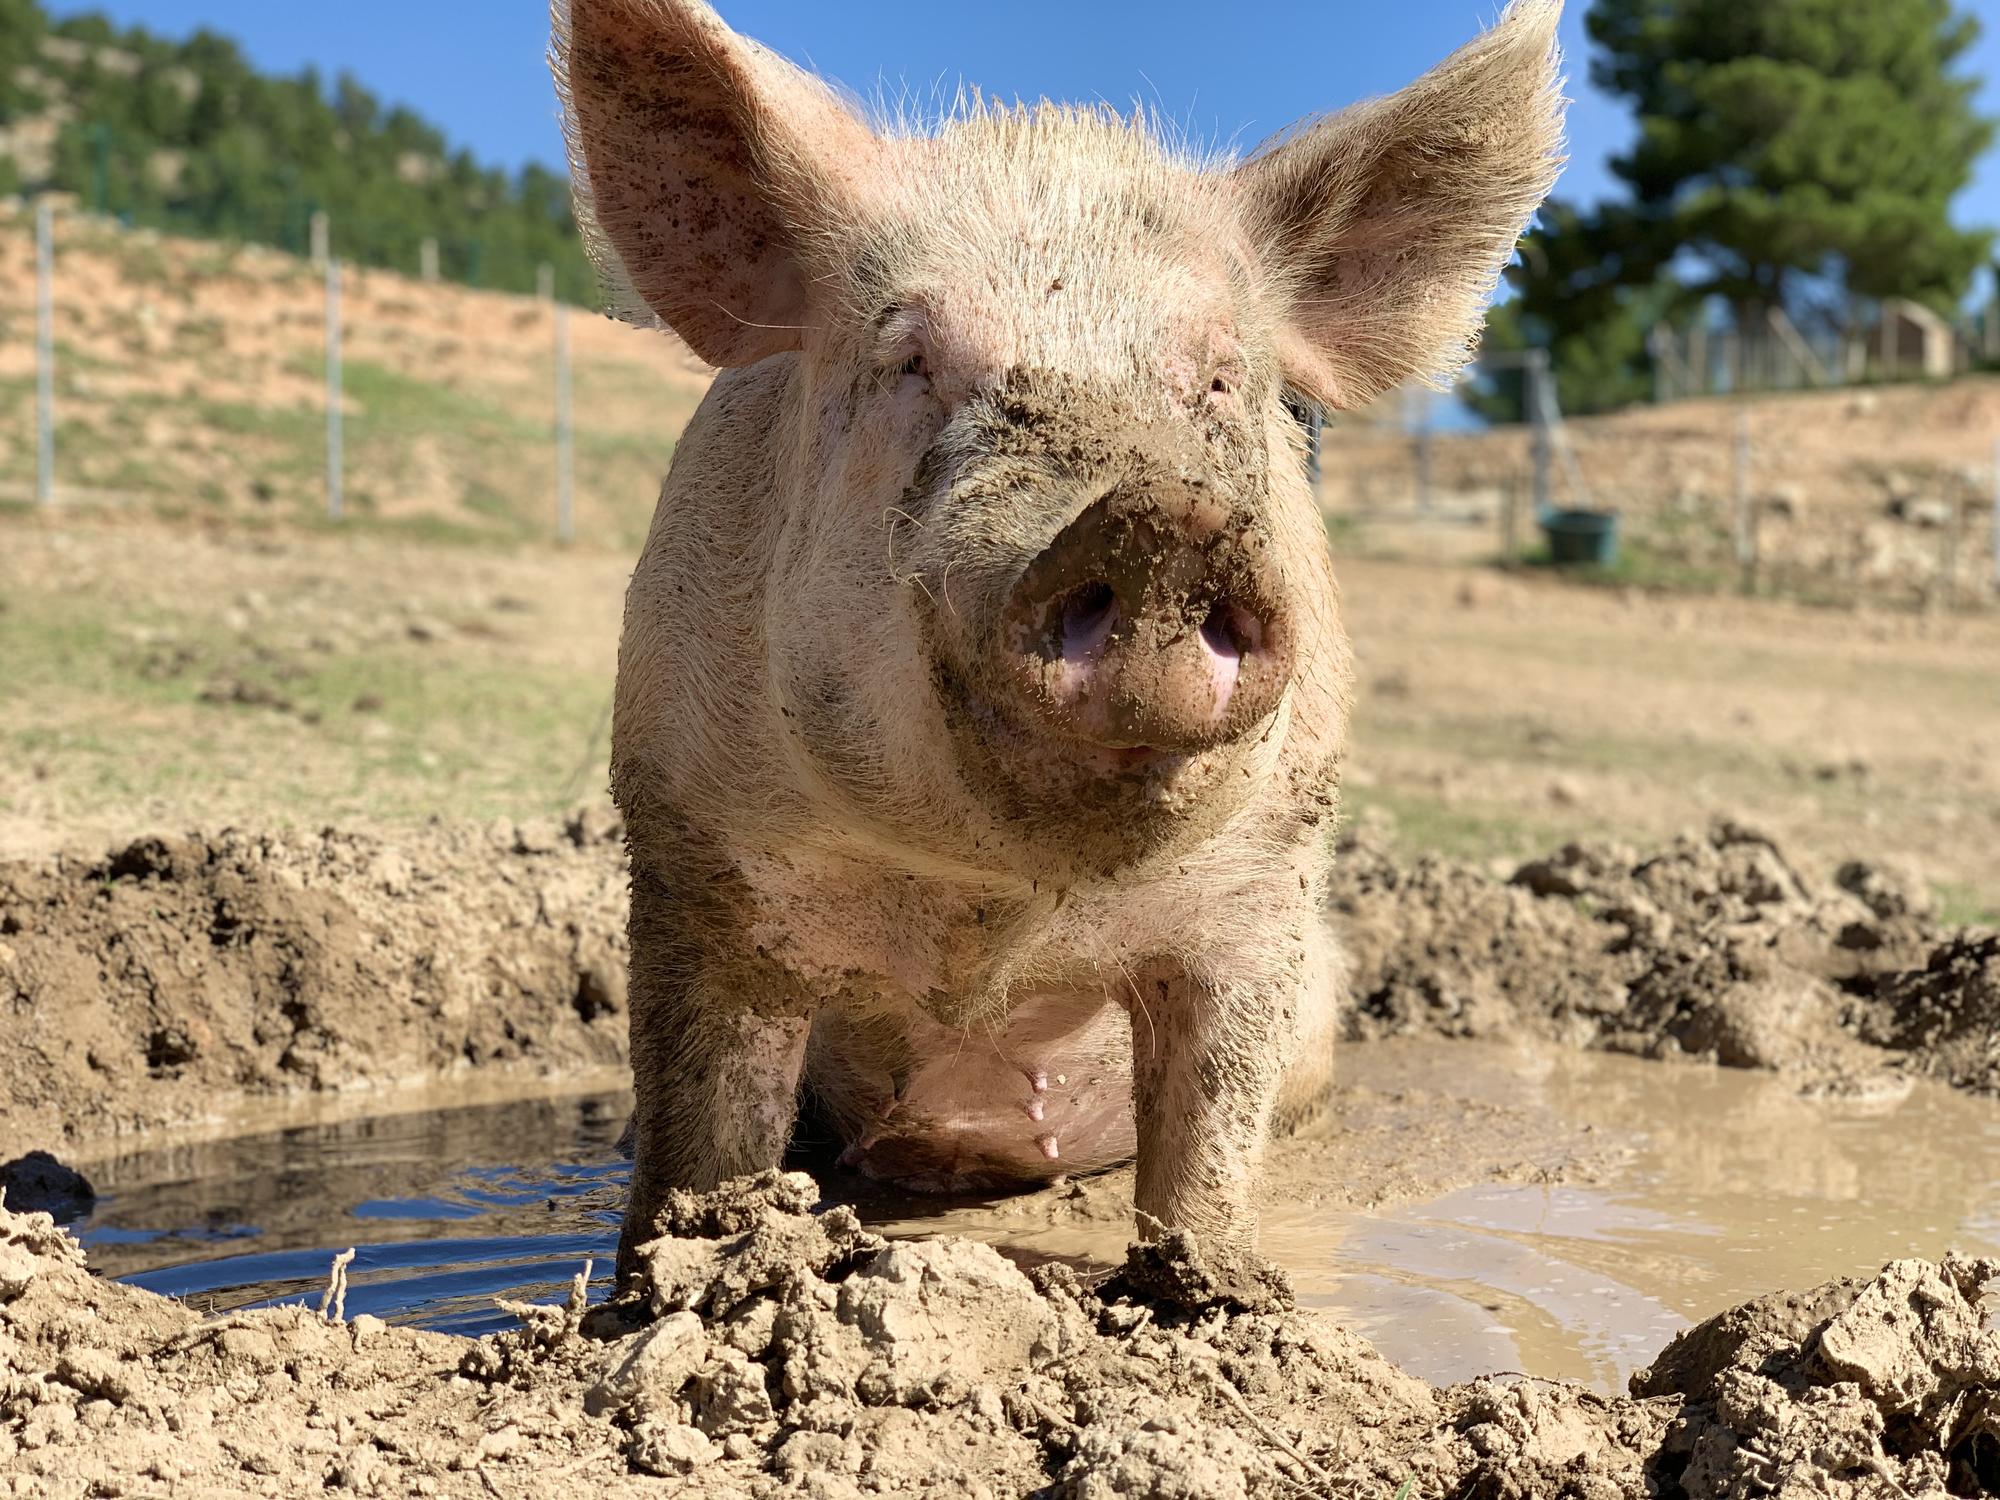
(1223, 385)
(916, 366)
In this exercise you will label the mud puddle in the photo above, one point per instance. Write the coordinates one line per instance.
(1568, 1214)
(447, 1210)
(1735, 1186)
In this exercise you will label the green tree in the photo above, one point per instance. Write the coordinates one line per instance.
(1587, 289)
(1787, 141)
(21, 29)
(188, 136)
(1800, 154)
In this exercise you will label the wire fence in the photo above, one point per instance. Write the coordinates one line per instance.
(188, 375)
(1888, 493)
(1766, 353)
(184, 375)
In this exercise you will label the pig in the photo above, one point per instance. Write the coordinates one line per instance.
(982, 688)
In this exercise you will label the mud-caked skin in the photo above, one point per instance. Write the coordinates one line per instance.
(982, 689)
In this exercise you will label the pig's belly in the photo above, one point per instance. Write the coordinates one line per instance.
(939, 1109)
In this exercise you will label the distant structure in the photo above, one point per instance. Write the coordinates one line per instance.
(1910, 340)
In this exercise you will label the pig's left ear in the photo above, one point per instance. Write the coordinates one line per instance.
(1385, 227)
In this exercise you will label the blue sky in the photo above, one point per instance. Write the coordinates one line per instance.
(475, 67)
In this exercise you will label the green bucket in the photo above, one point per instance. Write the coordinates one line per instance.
(1581, 538)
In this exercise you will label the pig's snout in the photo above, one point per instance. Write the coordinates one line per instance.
(1154, 621)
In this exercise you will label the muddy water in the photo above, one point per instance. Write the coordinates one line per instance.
(1732, 1185)
(1566, 1213)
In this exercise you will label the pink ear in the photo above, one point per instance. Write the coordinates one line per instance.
(703, 165)
(1387, 225)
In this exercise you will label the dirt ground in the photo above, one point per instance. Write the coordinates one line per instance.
(190, 384)
(769, 1350)
(297, 823)
(176, 983)
(182, 677)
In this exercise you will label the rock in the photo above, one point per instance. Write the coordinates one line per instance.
(645, 1374)
(17, 1270)
(1890, 890)
(598, 823)
(1177, 1271)
(779, 1239)
(38, 1183)
(390, 870)
(1922, 511)
(1914, 1330)
(669, 1449)
(1786, 502)
(1170, 1455)
(538, 836)
(943, 1313)
(730, 1395)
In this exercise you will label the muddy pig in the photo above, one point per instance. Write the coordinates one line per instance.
(982, 688)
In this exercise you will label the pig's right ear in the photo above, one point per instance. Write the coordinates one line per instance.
(703, 165)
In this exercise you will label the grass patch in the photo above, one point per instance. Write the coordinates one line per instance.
(1966, 906)
(1472, 834)
(460, 731)
(1639, 565)
(398, 404)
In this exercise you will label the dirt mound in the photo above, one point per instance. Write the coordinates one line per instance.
(177, 978)
(774, 1351)
(175, 982)
(1719, 948)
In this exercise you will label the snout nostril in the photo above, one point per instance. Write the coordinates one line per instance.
(1087, 611)
(1232, 630)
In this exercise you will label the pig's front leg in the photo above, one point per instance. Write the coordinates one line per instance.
(718, 1044)
(1207, 1063)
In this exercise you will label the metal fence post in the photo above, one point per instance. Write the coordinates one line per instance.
(545, 282)
(45, 352)
(427, 258)
(1739, 491)
(334, 433)
(565, 439)
(1536, 366)
(321, 233)
(1954, 522)
(1996, 515)
(1424, 452)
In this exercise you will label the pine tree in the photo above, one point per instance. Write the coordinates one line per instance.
(1799, 154)
(1798, 148)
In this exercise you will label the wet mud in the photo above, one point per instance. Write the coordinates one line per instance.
(772, 1350)
(1717, 949)
(176, 987)
(202, 984)
(175, 982)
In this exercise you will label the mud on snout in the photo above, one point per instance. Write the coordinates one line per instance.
(1115, 643)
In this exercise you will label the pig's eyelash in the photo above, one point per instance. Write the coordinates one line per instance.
(891, 371)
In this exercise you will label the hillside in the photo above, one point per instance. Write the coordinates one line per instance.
(187, 136)
(190, 383)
